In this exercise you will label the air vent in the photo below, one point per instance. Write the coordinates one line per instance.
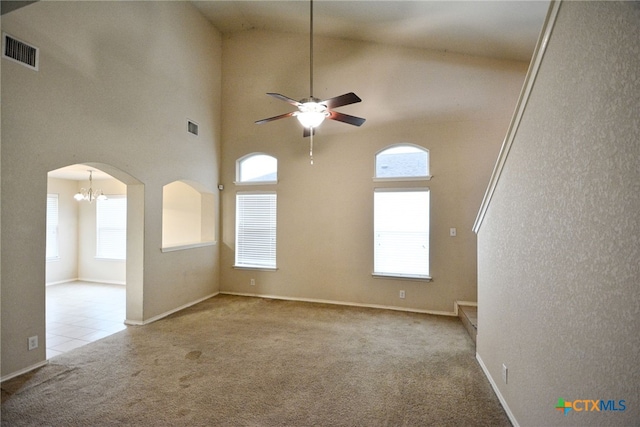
(19, 51)
(192, 127)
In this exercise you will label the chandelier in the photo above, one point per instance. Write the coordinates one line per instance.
(89, 195)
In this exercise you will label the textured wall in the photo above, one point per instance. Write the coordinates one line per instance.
(116, 84)
(458, 107)
(559, 249)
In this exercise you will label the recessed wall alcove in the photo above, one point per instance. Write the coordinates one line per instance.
(188, 217)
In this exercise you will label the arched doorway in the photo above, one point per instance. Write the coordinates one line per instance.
(108, 268)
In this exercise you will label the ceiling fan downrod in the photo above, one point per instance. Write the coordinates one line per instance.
(311, 50)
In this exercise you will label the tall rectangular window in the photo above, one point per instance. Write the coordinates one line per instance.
(256, 230)
(111, 228)
(401, 232)
(52, 227)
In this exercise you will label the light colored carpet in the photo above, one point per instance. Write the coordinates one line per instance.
(238, 361)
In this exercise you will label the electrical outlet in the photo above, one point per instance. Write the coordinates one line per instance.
(253, 282)
(33, 343)
(402, 295)
(505, 372)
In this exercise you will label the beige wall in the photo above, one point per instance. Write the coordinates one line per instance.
(456, 106)
(116, 85)
(558, 278)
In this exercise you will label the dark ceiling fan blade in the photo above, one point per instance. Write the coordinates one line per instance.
(285, 99)
(339, 101)
(270, 119)
(345, 118)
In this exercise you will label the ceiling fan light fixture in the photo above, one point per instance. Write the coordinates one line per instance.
(311, 114)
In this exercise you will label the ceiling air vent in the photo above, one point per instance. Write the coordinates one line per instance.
(192, 127)
(19, 51)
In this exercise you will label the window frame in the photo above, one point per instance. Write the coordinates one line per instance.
(392, 184)
(272, 234)
(400, 275)
(426, 177)
(243, 159)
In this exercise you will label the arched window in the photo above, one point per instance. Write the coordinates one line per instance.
(401, 213)
(256, 213)
(188, 216)
(257, 168)
(402, 161)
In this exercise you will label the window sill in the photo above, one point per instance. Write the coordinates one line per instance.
(248, 183)
(188, 246)
(257, 268)
(403, 179)
(401, 277)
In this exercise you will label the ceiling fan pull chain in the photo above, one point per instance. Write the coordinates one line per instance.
(311, 146)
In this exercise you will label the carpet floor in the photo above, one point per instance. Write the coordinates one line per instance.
(240, 361)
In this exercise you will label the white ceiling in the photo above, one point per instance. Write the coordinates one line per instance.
(78, 173)
(496, 29)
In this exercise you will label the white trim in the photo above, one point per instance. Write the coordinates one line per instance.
(168, 313)
(249, 183)
(349, 304)
(188, 246)
(398, 276)
(401, 179)
(254, 267)
(108, 282)
(24, 370)
(529, 82)
(503, 402)
(59, 282)
(456, 304)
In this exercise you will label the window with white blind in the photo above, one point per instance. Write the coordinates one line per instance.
(401, 232)
(111, 228)
(401, 215)
(256, 230)
(52, 227)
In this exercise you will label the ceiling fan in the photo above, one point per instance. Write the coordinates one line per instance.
(312, 111)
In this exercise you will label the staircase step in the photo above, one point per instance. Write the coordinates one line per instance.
(469, 316)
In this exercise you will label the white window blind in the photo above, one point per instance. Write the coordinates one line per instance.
(401, 232)
(256, 230)
(111, 228)
(52, 227)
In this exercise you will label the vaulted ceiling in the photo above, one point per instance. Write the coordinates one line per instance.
(496, 29)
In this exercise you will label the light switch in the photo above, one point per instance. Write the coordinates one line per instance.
(452, 232)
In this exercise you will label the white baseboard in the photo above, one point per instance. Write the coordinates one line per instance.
(503, 402)
(24, 370)
(59, 282)
(108, 282)
(168, 313)
(351, 304)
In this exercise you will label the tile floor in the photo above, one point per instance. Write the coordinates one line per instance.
(81, 312)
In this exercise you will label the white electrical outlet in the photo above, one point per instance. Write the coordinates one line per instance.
(402, 295)
(253, 282)
(505, 372)
(33, 343)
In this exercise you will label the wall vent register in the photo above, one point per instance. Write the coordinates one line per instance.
(18, 51)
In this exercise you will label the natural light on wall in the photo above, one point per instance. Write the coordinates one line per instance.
(187, 216)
